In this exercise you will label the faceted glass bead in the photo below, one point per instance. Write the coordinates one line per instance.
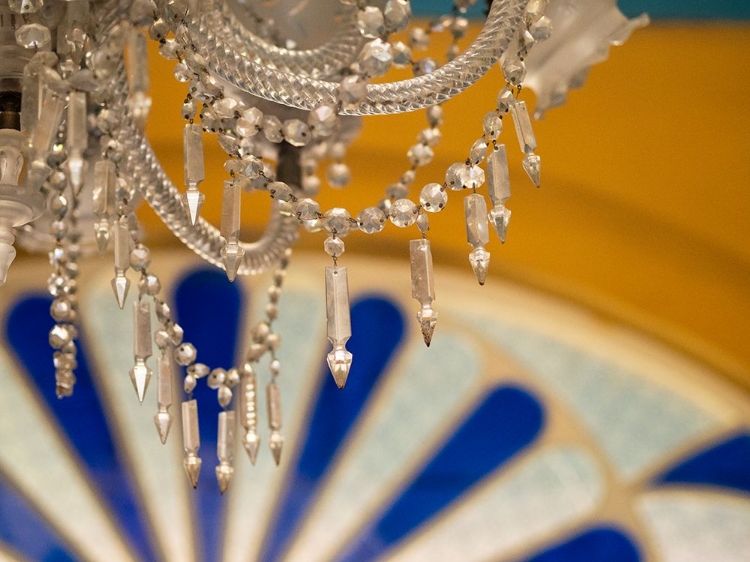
(280, 190)
(198, 370)
(338, 175)
(182, 72)
(423, 223)
(296, 132)
(403, 213)
(514, 70)
(216, 378)
(25, 6)
(33, 36)
(371, 22)
(471, 177)
(333, 246)
(352, 91)
(425, 66)
(226, 107)
(272, 128)
(323, 120)
(209, 119)
(492, 125)
(375, 58)
(401, 55)
(452, 176)
(140, 257)
(430, 137)
(189, 109)
(306, 209)
(59, 335)
(478, 151)
(337, 220)
(435, 116)
(396, 191)
(185, 354)
(433, 197)
(505, 99)
(541, 29)
(419, 39)
(420, 155)
(397, 14)
(371, 220)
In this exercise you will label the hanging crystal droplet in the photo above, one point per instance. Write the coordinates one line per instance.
(232, 253)
(273, 404)
(339, 324)
(191, 441)
(140, 374)
(498, 178)
(164, 378)
(225, 449)
(477, 234)
(533, 166)
(194, 171)
(120, 283)
(249, 411)
(526, 138)
(423, 286)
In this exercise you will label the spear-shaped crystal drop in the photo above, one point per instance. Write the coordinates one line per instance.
(120, 283)
(249, 412)
(423, 286)
(164, 377)
(232, 252)
(191, 441)
(273, 403)
(533, 166)
(499, 216)
(477, 234)
(76, 139)
(48, 124)
(498, 179)
(225, 449)
(138, 78)
(104, 201)
(140, 375)
(339, 324)
(194, 172)
(526, 138)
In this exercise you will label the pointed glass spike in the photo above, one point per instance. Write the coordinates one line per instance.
(120, 286)
(526, 138)
(498, 179)
(105, 182)
(225, 449)
(191, 441)
(140, 376)
(480, 263)
(500, 217)
(164, 389)
(77, 137)
(193, 154)
(232, 255)
(101, 232)
(47, 126)
(249, 412)
(477, 227)
(339, 323)
(533, 166)
(192, 201)
(423, 286)
(142, 322)
(122, 245)
(276, 443)
(230, 211)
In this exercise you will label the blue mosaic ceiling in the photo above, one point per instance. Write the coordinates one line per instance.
(657, 9)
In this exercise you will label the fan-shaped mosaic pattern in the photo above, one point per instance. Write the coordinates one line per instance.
(527, 431)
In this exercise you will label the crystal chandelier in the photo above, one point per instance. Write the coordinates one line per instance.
(75, 163)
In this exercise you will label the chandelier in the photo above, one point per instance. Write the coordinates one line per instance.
(75, 162)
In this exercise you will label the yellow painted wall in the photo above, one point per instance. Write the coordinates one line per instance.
(644, 206)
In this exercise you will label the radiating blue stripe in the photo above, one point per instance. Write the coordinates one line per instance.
(602, 544)
(507, 420)
(81, 416)
(657, 9)
(377, 331)
(24, 529)
(208, 307)
(725, 464)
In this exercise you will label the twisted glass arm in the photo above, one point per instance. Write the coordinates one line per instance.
(306, 93)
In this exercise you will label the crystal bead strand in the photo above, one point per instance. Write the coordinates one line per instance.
(249, 411)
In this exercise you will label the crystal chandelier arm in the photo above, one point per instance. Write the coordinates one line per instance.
(149, 178)
(218, 23)
(396, 97)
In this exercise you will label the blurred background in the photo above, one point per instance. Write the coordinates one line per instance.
(589, 403)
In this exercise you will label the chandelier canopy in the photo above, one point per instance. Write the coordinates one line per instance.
(282, 87)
